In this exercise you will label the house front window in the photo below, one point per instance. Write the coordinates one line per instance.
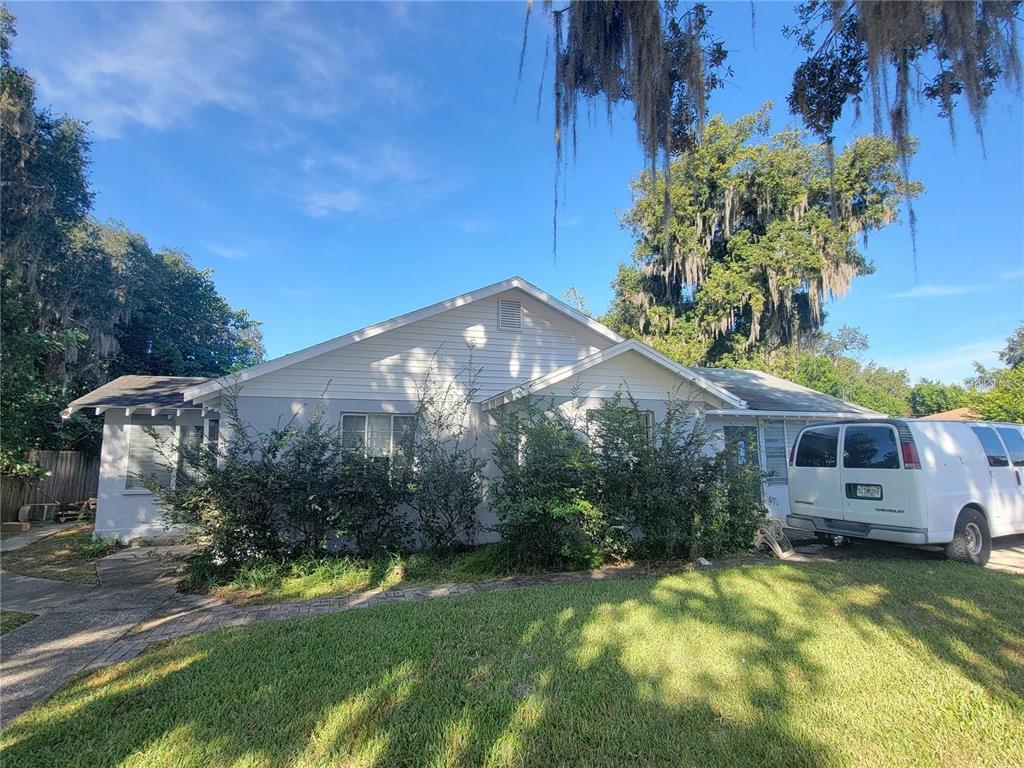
(149, 440)
(376, 434)
(154, 451)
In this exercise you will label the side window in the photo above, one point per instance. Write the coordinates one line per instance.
(149, 438)
(993, 448)
(744, 439)
(818, 447)
(870, 447)
(1014, 441)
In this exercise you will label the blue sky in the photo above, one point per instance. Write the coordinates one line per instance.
(339, 164)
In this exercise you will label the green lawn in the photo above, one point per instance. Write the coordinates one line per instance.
(309, 578)
(70, 555)
(13, 619)
(860, 663)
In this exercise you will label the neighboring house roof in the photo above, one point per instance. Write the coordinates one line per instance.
(213, 385)
(764, 392)
(632, 345)
(137, 393)
(957, 414)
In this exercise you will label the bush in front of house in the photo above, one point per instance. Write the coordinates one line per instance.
(577, 492)
(541, 500)
(445, 473)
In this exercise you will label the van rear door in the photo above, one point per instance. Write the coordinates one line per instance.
(814, 479)
(876, 487)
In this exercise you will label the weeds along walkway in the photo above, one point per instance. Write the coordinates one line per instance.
(184, 615)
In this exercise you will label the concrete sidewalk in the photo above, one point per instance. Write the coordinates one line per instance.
(32, 535)
(74, 624)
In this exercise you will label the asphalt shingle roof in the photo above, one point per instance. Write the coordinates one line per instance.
(138, 392)
(764, 392)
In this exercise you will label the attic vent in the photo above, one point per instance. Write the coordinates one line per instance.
(510, 315)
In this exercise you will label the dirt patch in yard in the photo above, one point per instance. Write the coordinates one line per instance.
(70, 555)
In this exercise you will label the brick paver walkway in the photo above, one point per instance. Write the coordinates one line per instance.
(184, 615)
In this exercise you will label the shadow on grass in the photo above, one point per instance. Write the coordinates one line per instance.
(706, 669)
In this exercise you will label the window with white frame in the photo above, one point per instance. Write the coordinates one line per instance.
(773, 434)
(376, 434)
(646, 419)
(149, 438)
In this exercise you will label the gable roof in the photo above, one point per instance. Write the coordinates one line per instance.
(137, 392)
(631, 345)
(764, 392)
(214, 385)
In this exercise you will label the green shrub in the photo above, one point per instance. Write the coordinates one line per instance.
(540, 499)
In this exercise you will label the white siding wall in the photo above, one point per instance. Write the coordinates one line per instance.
(392, 365)
(644, 380)
(122, 513)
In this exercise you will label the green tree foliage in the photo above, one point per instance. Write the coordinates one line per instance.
(928, 396)
(83, 301)
(891, 54)
(763, 235)
(1004, 399)
(1012, 354)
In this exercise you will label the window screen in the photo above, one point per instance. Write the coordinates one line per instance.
(148, 439)
(870, 447)
(1014, 442)
(774, 436)
(993, 448)
(818, 447)
(353, 432)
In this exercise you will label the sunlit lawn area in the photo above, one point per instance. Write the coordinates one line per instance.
(310, 578)
(70, 555)
(861, 663)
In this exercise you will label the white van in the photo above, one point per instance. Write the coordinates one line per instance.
(951, 483)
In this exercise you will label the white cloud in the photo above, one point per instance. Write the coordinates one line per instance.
(321, 203)
(934, 291)
(157, 64)
(471, 225)
(952, 365)
(226, 251)
(1013, 274)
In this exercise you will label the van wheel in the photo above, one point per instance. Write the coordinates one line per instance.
(971, 540)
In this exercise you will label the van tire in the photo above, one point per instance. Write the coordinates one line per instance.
(971, 542)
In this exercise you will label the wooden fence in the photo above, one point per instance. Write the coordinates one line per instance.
(73, 477)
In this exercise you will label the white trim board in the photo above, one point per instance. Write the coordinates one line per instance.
(630, 345)
(215, 385)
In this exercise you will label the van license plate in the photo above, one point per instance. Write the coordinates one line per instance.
(869, 491)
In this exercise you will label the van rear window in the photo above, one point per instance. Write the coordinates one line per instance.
(818, 447)
(1014, 444)
(870, 448)
(993, 448)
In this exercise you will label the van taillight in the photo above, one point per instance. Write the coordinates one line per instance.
(910, 457)
(792, 452)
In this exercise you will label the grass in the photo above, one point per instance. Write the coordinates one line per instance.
(13, 619)
(309, 578)
(859, 663)
(70, 555)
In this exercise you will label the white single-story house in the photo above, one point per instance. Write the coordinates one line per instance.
(520, 340)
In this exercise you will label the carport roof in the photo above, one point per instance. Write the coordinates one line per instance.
(137, 393)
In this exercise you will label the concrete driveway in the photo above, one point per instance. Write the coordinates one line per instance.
(1007, 551)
